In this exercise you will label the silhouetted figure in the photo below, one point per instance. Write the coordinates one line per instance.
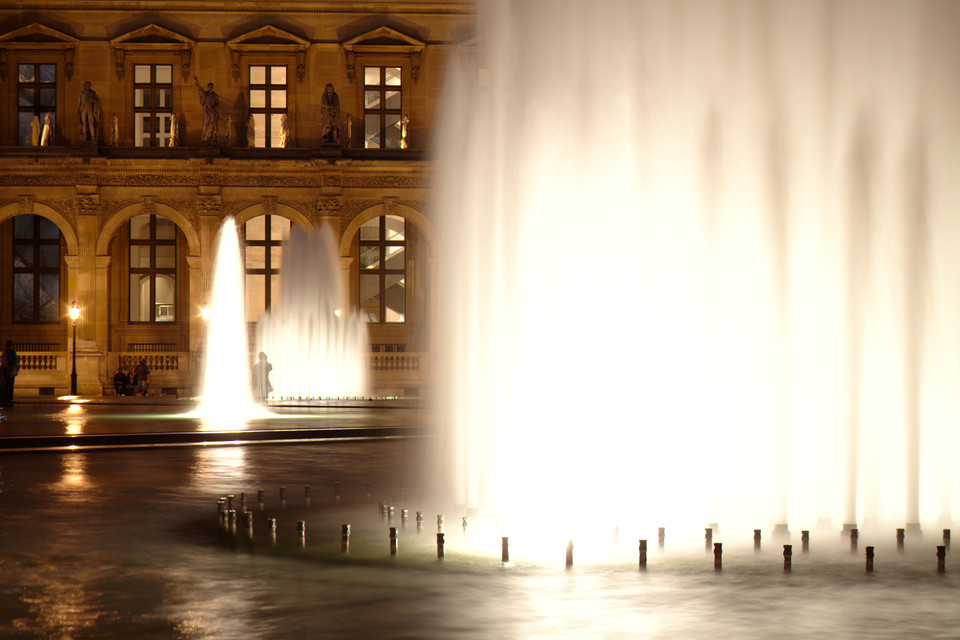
(330, 116)
(121, 382)
(261, 378)
(9, 368)
(142, 373)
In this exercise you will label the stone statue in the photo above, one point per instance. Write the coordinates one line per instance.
(251, 132)
(35, 131)
(228, 138)
(115, 132)
(91, 114)
(210, 124)
(174, 138)
(46, 138)
(404, 122)
(329, 116)
(284, 131)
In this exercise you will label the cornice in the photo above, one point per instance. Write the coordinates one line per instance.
(246, 6)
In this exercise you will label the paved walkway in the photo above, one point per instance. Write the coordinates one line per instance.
(92, 422)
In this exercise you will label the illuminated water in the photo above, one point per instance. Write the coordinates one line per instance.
(315, 343)
(704, 258)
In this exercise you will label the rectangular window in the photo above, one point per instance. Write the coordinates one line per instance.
(383, 269)
(152, 104)
(153, 269)
(36, 270)
(263, 239)
(382, 107)
(268, 104)
(36, 99)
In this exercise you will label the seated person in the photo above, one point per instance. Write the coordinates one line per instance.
(120, 382)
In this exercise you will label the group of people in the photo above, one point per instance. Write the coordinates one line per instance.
(9, 368)
(136, 381)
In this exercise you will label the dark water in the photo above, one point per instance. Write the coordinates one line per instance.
(125, 544)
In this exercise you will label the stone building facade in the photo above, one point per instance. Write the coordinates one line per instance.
(120, 223)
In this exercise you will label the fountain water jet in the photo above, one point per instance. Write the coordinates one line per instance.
(703, 256)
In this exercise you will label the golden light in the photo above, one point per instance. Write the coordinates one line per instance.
(74, 311)
(205, 313)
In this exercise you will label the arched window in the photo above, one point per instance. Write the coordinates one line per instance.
(153, 269)
(263, 239)
(36, 270)
(383, 269)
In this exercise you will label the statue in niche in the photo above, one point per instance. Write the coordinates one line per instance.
(228, 136)
(91, 114)
(404, 122)
(115, 132)
(46, 138)
(172, 142)
(210, 125)
(251, 132)
(284, 132)
(35, 131)
(329, 116)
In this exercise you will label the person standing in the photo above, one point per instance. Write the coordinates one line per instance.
(143, 378)
(10, 365)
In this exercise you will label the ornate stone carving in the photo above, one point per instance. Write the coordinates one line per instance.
(26, 204)
(330, 205)
(390, 206)
(149, 205)
(209, 205)
(385, 180)
(88, 203)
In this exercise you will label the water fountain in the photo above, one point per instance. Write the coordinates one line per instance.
(316, 348)
(704, 266)
(315, 342)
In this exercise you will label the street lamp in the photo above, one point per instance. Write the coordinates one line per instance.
(74, 314)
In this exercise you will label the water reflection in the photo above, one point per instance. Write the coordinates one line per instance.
(74, 418)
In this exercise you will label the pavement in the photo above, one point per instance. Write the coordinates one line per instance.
(93, 422)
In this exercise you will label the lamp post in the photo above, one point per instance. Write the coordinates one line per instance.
(74, 314)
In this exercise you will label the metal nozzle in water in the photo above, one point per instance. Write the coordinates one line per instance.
(504, 549)
(869, 559)
(900, 535)
(854, 537)
(302, 533)
(756, 539)
(708, 538)
(643, 554)
(787, 557)
(946, 539)
(440, 523)
(440, 546)
(941, 558)
(569, 554)
(717, 556)
(661, 537)
(272, 530)
(345, 538)
(805, 541)
(393, 541)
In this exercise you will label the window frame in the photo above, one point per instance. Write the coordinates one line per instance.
(267, 110)
(36, 241)
(154, 87)
(381, 243)
(152, 271)
(383, 111)
(36, 109)
(268, 270)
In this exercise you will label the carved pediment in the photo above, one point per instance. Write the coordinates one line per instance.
(268, 39)
(152, 37)
(384, 40)
(34, 37)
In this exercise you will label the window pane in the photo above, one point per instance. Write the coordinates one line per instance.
(139, 256)
(48, 97)
(48, 73)
(371, 99)
(275, 129)
(369, 257)
(163, 129)
(259, 130)
(165, 292)
(48, 228)
(371, 75)
(370, 230)
(393, 99)
(274, 290)
(258, 98)
(166, 256)
(166, 229)
(371, 131)
(255, 296)
(140, 227)
(23, 226)
(141, 73)
(139, 298)
(141, 129)
(27, 97)
(258, 75)
(141, 97)
(165, 97)
(395, 227)
(395, 297)
(392, 76)
(26, 72)
(370, 297)
(276, 256)
(164, 74)
(392, 130)
(23, 310)
(278, 99)
(255, 228)
(395, 258)
(279, 228)
(49, 297)
(49, 256)
(23, 256)
(255, 258)
(25, 128)
(278, 75)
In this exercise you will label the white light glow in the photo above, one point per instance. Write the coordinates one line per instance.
(700, 268)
